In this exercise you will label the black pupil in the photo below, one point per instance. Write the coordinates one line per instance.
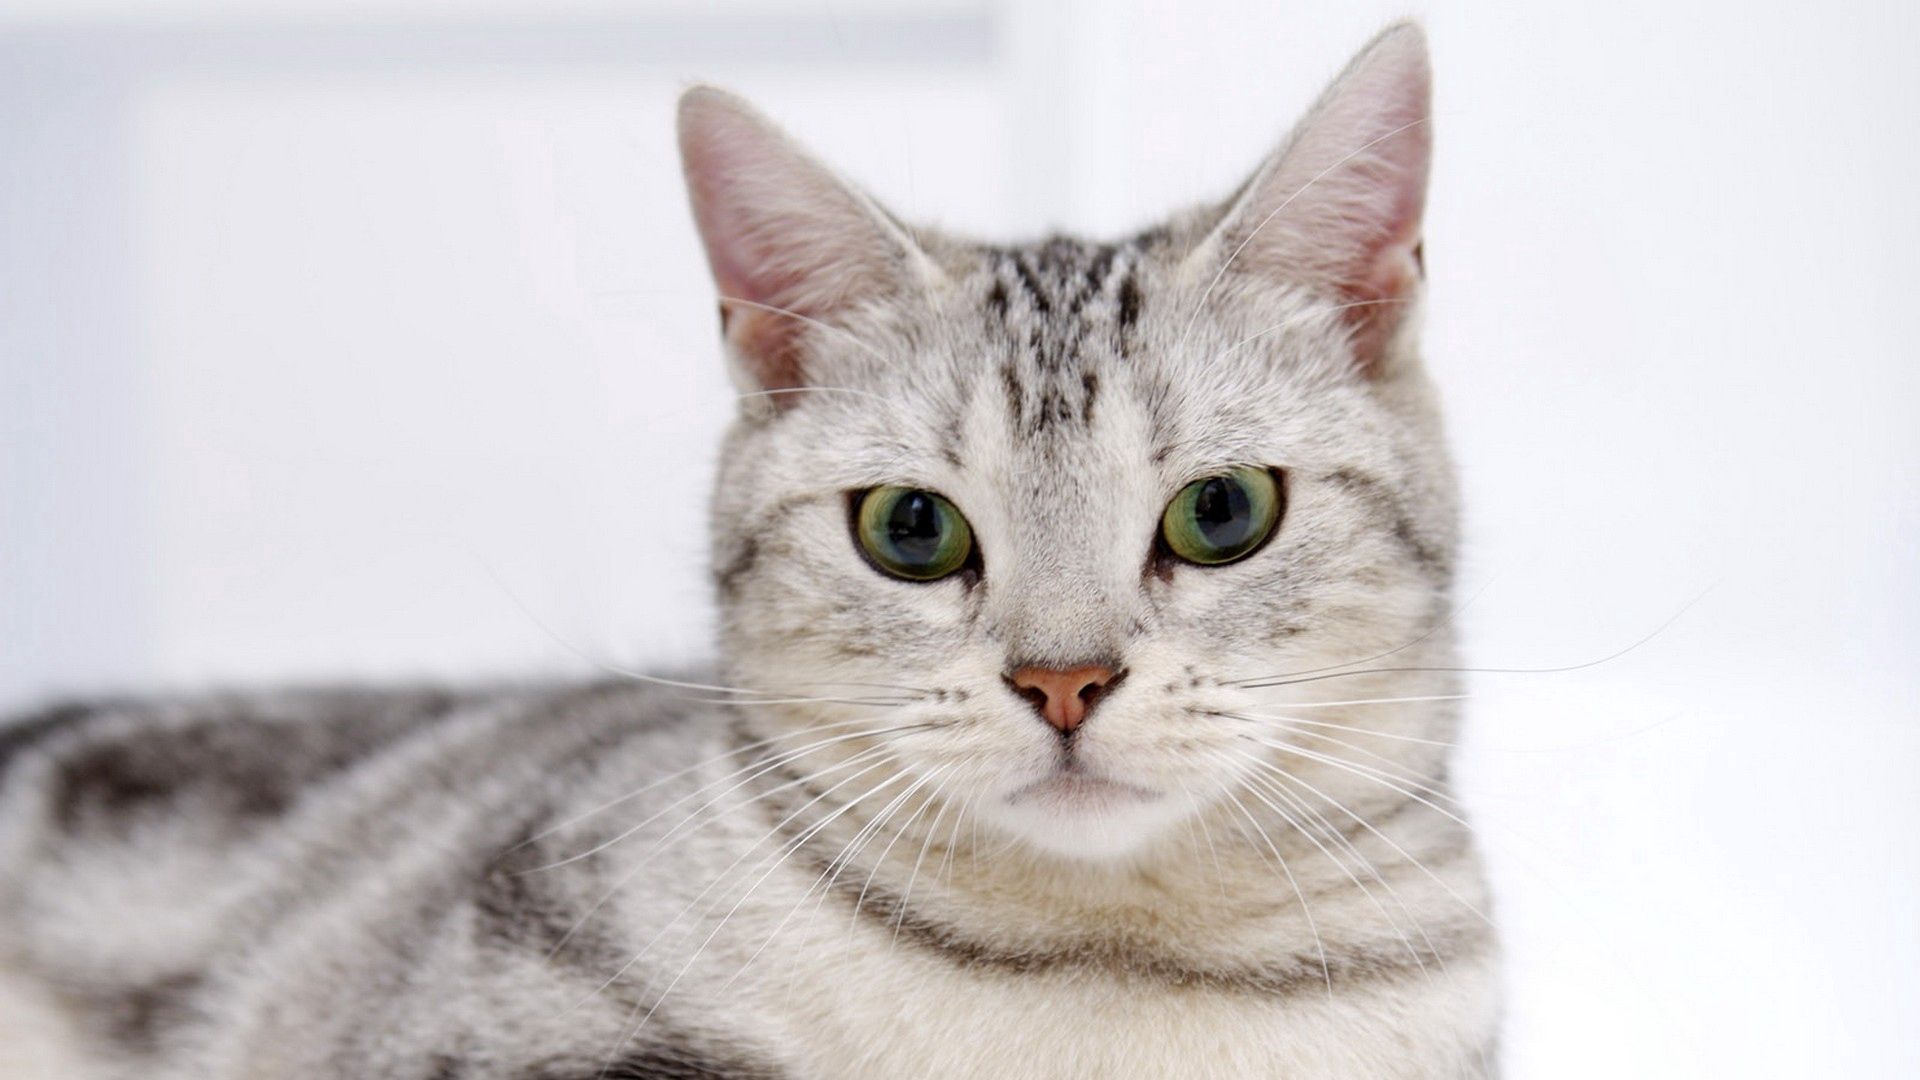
(1222, 512)
(914, 528)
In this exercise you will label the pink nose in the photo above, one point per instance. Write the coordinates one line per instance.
(1063, 698)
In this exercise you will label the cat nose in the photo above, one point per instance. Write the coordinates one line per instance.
(1063, 698)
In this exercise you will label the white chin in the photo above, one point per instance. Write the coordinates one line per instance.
(1085, 820)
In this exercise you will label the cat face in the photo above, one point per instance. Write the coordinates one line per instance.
(1049, 520)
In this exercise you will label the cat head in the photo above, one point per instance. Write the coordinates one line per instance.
(1063, 521)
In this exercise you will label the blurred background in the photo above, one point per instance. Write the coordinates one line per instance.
(371, 340)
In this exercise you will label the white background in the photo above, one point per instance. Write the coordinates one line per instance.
(356, 340)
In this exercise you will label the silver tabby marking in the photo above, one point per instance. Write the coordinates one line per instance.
(852, 849)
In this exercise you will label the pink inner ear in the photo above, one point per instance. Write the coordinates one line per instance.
(790, 246)
(727, 174)
(721, 160)
(770, 344)
(1388, 271)
(754, 294)
(1379, 299)
(1383, 268)
(1340, 207)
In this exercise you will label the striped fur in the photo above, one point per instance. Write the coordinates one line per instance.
(825, 857)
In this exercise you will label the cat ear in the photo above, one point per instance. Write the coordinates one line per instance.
(791, 246)
(1338, 207)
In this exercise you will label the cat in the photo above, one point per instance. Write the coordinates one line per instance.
(1082, 709)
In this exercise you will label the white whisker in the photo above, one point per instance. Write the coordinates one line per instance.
(1554, 670)
(1389, 841)
(778, 858)
(1394, 923)
(1326, 969)
(1376, 701)
(769, 765)
(627, 878)
(677, 774)
(795, 845)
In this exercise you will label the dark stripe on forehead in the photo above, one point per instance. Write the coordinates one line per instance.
(19, 734)
(1130, 302)
(1061, 309)
(1030, 281)
(997, 298)
(1097, 271)
(1057, 275)
(1016, 395)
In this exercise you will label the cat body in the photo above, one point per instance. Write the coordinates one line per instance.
(353, 890)
(1021, 774)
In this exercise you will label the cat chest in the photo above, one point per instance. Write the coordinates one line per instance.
(909, 1013)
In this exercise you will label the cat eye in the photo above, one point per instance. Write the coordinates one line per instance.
(911, 534)
(1223, 518)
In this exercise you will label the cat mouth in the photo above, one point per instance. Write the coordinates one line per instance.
(1074, 789)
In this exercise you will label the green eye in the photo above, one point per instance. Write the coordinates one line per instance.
(1223, 518)
(911, 534)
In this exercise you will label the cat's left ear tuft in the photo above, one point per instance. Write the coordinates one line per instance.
(1338, 208)
(792, 248)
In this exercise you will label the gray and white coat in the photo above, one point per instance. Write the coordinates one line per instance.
(851, 849)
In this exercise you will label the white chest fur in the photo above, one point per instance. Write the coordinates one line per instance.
(906, 1010)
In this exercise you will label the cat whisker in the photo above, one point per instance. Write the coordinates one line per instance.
(839, 863)
(900, 915)
(779, 857)
(1256, 790)
(678, 773)
(781, 925)
(1396, 773)
(798, 842)
(763, 765)
(758, 770)
(823, 884)
(1376, 701)
(1366, 773)
(1319, 944)
(644, 677)
(807, 390)
(1276, 780)
(1570, 748)
(1292, 721)
(1555, 670)
(602, 664)
(933, 830)
(953, 837)
(916, 691)
(1199, 817)
(880, 861)
(667, 841)
(738, 703)
(1388, 766)
(830, 874)
(1360, 820)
